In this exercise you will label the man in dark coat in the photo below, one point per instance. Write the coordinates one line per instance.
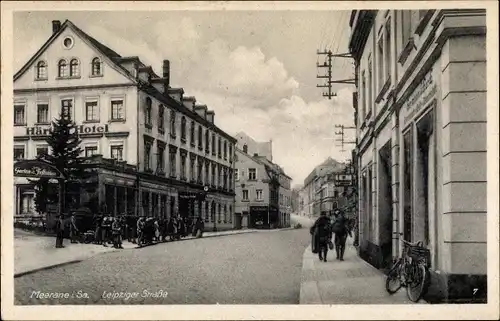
(341, 230)
(59, 228)
(73, 229)
(322, 235)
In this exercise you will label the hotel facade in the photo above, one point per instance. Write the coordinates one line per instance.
(157, 152)
(421, 144)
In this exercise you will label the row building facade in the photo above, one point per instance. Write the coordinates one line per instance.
(156, 151)
(421, 143)
(263, 190)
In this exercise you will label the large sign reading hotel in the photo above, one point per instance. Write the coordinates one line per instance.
(82, 129)
(419, 99)
(35, 168)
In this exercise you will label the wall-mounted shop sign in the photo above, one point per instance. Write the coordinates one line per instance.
(419, 99)
(259, 208)
(35, 168)
(82, 129)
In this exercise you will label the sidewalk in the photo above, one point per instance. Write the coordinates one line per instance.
(352, 281)
(34, 252)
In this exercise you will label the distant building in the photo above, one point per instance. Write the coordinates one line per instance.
(421, 141)
(155, 150)
(252, 147)
(263, 194)
(311, 193)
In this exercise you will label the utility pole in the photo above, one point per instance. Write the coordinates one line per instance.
(328, 64)
(341, 134)
(328, 76)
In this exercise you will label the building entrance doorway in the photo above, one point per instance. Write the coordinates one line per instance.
(385, 206)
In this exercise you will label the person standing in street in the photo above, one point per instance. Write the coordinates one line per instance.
(341, 230)
(140, 228)
(321, 230)
(59, 228)
(73, 230)
(117, 233)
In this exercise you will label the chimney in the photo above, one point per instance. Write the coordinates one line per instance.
(56, 26)
(166, 73)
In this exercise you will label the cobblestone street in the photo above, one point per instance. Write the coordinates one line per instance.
(256, 268)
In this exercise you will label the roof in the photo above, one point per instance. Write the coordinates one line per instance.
(115, 59)
(328, 166)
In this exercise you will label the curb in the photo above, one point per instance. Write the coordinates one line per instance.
(309, 291)
(17, 275)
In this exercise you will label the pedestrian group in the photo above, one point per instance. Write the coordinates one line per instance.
(322, 233)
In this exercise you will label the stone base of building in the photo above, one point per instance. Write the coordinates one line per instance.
(456, 288)
(371, 253)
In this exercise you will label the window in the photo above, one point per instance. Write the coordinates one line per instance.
(19, 152)
(90, 151)
(230, 152)
(41, 70)
(225, 150)
(147, 156)
(96, 67)
(236, 176)
(207, 142)
(160, 160)
(200, 171)
(213, 144)
(245, 195)
(62, 68)
(172, 160)
(172, 123)
(161, 118)
(19, 115)
(214, 169)
(42, 113)
(406, 25)
(42, 150)
(363, 97)
(245, 148)
(91, 111)
(183, 129)
(252, 174)
(219, 149)
(183, 167)
(230, 214)
(207, 175)
(259, 194)
(200, 138)
(192, 129)
(388, 65)
(67, 108)
(224, 178)
(117, 109)
(380, 60)
(220, 177)
(148, 112)
(117, 152)
(369, 86)
(225, 213)
(192, 174)
(74, 68)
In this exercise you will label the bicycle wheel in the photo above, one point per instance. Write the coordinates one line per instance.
(418, 282)
(393, 281)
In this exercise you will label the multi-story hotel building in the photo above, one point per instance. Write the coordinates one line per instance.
(263, 194)
(421, 125)
(155, 150)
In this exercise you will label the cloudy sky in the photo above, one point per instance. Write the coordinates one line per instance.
(255, 69)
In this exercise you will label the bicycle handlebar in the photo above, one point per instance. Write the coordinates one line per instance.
(418, 243)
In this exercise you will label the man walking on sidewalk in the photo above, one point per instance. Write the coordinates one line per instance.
(322, 232)
(59, 228)
(340, 228)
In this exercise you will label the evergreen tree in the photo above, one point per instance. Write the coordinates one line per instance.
(64, 143)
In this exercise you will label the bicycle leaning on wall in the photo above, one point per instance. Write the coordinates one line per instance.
(410, 271)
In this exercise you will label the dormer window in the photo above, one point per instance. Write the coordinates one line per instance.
(41, 70)
(96, 67)
(74, 70)
(62, 68)
(245, 148)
